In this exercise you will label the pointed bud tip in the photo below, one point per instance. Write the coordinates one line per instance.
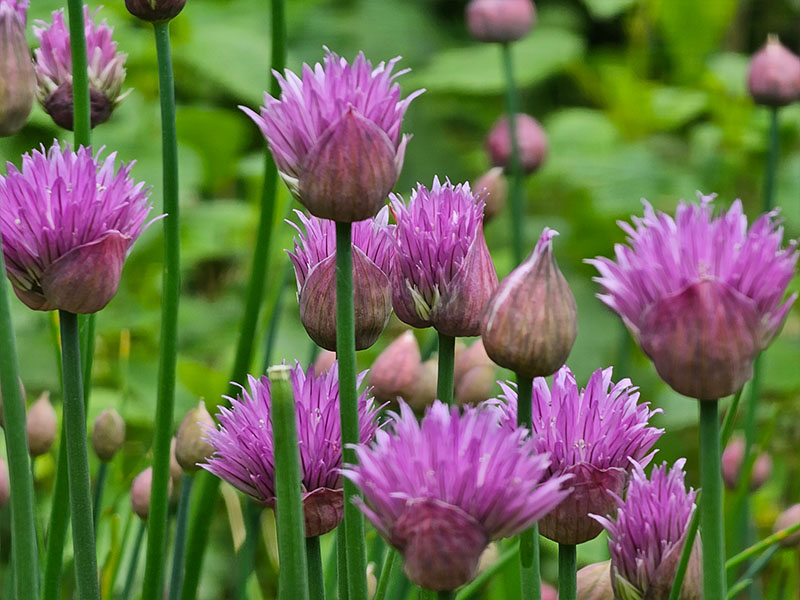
(500, 21)
(774, 75)
(191, 447)
(108, 434)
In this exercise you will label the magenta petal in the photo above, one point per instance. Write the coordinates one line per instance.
(86, 278)
(703, 340)
(774, 321)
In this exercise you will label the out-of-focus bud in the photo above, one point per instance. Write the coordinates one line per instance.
(5, 492)
(155, 10)
(496, 186)
(548, 592)
(594, 582)
(324, 361)
(774, 76)
(191, 448)
(396, 370)
(732, 459)
(372, 581)
(108, 434)
(21, 395)
(531, 322)
(786, 519)
(175, 470)
(500, 20)
(476, 385)
(467, 359)
(17, 76)
(41, 425)
(425, 390)
(140, 493)
(530, 136)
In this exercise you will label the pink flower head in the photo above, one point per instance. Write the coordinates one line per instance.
(243, 444)
(16, 7)
(335, 135)
(590, 434)
(441, 489)
(701, 294)
(648, 534)
(442, 274)
(314, 261)
(54, 68)
(68, 220)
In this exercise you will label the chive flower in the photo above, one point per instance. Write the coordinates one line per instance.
(17, 79)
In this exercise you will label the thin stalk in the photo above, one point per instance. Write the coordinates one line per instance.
(760, 546)
(316, 580)
(567, 572)
(23, 528)
(247, 553)
(738, 588)
(730, 419)
(99, 486)
(773, 154)
(275, 316)
(528, 539)
(208, 485)
(80, 494)
(446, 364)
(353, 524)
(517, 213)
(754, 569)
(59, 522)
(181, 521)
(293, 573)
(165, 398)
(390, 565)
(714, 583)
(686, 553)
(134, 562)
(81, 123)
(474, 586)
(341, 563)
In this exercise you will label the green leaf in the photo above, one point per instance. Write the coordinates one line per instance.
(606, 9)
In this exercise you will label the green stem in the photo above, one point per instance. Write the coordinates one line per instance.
(390, 565)
(81, 124)
(341, 563)
(353, 524)
(316, 580)
(99, 486)
(181, 521)
(730, 419)
(759, 547)
(23, 529)
(80, 495)
(755, 568)
(293, 573)
(446, 364)
(474, 586)
(275, 316)
(714, 583)
(134, 563)
(165, 399)
(528, 539)
(247, 554)
(773, 154)
(517, 213)
(567, 572)
(59, 522)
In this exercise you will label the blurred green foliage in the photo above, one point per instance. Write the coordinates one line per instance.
(639, 99)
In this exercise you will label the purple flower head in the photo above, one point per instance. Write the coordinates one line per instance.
(314, 261)
(54, 69)
(590, 434)
(648, 534)
(17, 78)
(68, 220)
(701, 294)
(442, 274)
(441, 489)
(243, 444)
(335, 135)
(19, 8)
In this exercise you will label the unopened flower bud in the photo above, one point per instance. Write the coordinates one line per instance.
(5, 492)
(476, 385)
(17, 76)
(548, 592)
(155, 10)
(774, 76)
(500, 20)
(496, 187)
(324, 361)
(467, 359)
(530, 137)
(41, 425)
(140, 493)
(531, 322)
(175, 470)
(787, 518)
(425, 389)
(732, 459)
(108, 434)
(594, 582)
(191, 447)
(396, 370)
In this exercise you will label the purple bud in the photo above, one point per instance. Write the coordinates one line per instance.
(548, 592)
(495, 186)
(324, 361)
(530, 136)
(476, 385)
(732, 459)
(774, 76)
(396, 370)
(787, 518)
(108, 434)
(41, 424)
(140, 493)
(531, 322)
(594, 582)
(17, 76)
(500, 20)
(59, 105)
(191, 447)
(5, 491)
(155, 10)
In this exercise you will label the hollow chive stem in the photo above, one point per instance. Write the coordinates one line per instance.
(23, 530)
(81, 122)
(341, 563)
(80, 496)
(316, 580)
(517, 213)
(711, 503)
(567, 572)
(388, 572)
(355, 550)
(446, 366)
(247, 554)
(134, 562)
(99, 486)
(293, 574)
(179, 548)
(528, 539)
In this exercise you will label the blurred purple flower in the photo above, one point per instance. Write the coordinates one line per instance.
(590, 434)
(18, 6)
(54, 69)
(648, 534)
(243, 444)
(702, 295)
(17, 78)
(335, 135)
(440, 490)
(442, 274)
(68, 221)
(314, 260)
